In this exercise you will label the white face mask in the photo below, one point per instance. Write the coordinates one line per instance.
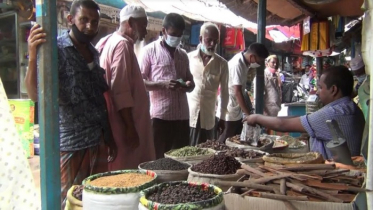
(173, 41)
(254, 65)
(206, 51)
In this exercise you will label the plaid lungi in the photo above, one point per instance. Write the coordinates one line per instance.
(77, 165)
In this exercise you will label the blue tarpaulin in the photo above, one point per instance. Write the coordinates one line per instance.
(113, 3)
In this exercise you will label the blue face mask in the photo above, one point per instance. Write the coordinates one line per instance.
(173, 41)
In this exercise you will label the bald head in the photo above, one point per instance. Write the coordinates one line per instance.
(208, 27)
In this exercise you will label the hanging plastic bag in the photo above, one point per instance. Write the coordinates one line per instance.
(251, 134)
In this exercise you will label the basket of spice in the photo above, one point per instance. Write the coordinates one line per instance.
(190, 154)
(116, 189)
(265, 143)
(167, 169)
(248, 156)
(74, 198)
(294, 143)
(182, 195)
(293, 158)
(215, 145)
(220, 167)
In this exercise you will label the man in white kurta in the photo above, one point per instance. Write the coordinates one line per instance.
(209, 71)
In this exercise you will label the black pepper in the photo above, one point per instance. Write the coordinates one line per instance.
(180, 193)
(165, 164)
(220, 164)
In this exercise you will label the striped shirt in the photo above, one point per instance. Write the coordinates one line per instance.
(157, 65)
(350, 120)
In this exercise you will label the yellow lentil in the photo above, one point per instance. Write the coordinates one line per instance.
(122, 180)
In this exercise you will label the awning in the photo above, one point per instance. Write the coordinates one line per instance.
(279, 33)
(211, 10)
(119, 4)
(214, 11)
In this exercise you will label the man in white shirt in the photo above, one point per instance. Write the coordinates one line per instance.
(209, 71)
(305, 79)
(239, 67)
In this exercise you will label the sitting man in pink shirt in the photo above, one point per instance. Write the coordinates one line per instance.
(165, 70)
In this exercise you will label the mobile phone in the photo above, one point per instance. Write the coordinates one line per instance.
(182, 83)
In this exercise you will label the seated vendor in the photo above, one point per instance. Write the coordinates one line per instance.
(334, 90)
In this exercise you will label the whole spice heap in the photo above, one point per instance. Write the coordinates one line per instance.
(78, 192)
(220, 164)
(189, 151)
(301, 182)
(215, 145)
(180, 194)
(122, 180)
(165, 164)
(241, 153)
(260, 143)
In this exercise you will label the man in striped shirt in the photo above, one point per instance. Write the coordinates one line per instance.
(165, 70)
(334, 90)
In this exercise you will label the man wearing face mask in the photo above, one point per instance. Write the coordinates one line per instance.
(209, 71)
(272, 87)
(239, 66)
(165, 70)
(127, 99)
(82, 108)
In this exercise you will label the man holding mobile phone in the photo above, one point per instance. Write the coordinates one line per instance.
(165, 70)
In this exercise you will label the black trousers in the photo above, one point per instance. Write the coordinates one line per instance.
(232, 128)
(169, 134)
(199, 135)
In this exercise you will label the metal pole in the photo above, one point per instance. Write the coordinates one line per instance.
(50, 177)
(319, 65)
(259, 84)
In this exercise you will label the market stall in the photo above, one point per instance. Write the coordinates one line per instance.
(226, 177)
(267, 186)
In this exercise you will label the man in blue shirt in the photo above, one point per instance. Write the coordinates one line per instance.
(334, 90)
(82, 106)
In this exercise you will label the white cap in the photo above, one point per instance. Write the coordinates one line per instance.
(131, 11)
(356, 63)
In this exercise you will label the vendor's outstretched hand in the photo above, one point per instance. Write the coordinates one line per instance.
(250, 120)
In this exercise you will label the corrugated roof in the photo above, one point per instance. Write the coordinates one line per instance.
(200, 10)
